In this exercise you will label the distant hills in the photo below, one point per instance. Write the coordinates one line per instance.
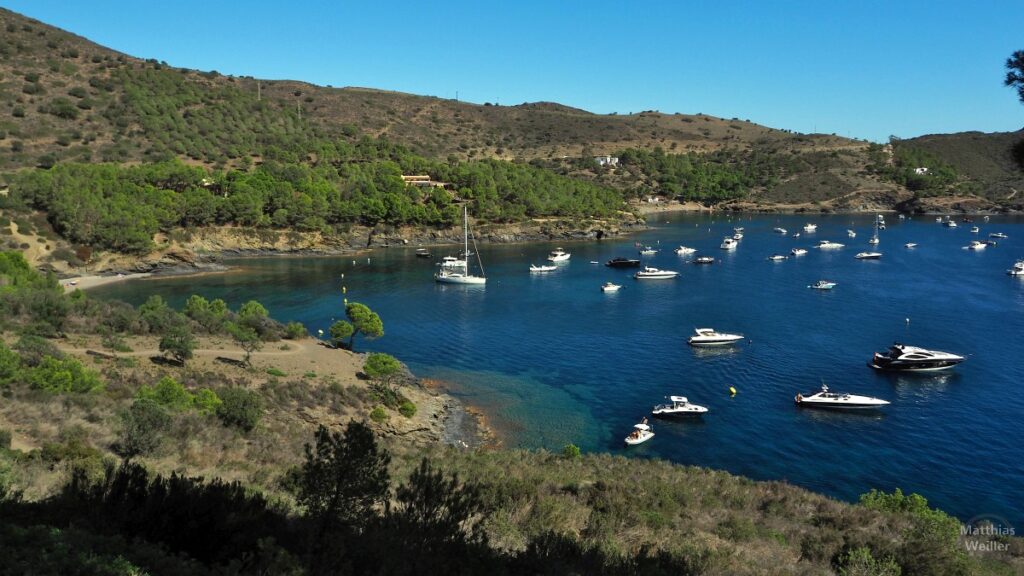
(64, 98)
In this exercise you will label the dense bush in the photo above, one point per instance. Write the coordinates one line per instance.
(240, 408)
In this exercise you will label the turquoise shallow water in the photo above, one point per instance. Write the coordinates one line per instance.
(553, 360)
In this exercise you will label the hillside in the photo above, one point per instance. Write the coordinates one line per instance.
(70, 98)
(987, 159)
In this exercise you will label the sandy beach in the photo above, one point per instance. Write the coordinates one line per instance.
(86, 282)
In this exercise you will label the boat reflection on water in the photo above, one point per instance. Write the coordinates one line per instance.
(909, 386)
(714, 351)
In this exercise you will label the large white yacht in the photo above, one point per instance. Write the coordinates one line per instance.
(798, 251)
(903, 358)
(777, 257)
(868, 255)
(997, 235)
(649, 273)
(708, 337)
(648, 251)
(684, 250)
(976, 245)
(543, 268)
(679, 406)
(729, 244)
(829, 245)
(558, 255)
(838, 401)
(610, 287)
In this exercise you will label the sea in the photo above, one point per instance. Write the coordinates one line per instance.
(552, 360)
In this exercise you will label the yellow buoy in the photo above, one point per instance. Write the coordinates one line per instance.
(732, 391)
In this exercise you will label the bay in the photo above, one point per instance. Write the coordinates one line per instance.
(553, 360)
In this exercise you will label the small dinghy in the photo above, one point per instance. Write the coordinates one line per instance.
(641, 433)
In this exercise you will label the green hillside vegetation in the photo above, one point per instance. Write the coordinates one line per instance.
(65, 99)
(120, 208)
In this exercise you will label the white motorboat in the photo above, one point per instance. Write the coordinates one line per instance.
(975, 229)
(829, 245)
(452, 262)
(777, 257)
(903, 358)
(949, 223)
(810, 228)
(986, 218)
(796, 235)
(851, 233)
(737, 236)
(542, 268)
(649, 273)
(610, 287)
(738, 229)
(838, 400)
(459, 273)
(729, 244)
(868, 255)
(997, 235)
(779, 230)
(976, 245)
(422, 253)
(798, 251)
(704, 260)
(683, 250)
(910, 245)
(558, 255)
(1017, 270)
(641, 433)
(708, 337)
(823, 285)
(938, 219)
(648, 251)
(679, 406)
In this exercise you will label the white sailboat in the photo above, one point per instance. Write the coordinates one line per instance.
(460, 274)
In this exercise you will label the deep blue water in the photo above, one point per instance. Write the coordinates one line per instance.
(554, 360)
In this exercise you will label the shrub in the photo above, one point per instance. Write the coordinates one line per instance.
(168, 393)
(407, 409)
(295, 331)
(142, 427)
(206, 401)
(571, 451)
(860, 562)
(60, 376)
(10, 365)
(378, 415)
(380, 365)
(240, 408)
(34, 349)
(5, 439)
(276, 372)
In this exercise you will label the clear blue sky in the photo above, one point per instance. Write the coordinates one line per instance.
(864, 69)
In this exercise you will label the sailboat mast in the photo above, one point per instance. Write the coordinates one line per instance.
(465, 232)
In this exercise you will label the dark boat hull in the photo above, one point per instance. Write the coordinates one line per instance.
(623, 263)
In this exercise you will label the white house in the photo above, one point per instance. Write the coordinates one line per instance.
(607, 160)
(920, 171)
